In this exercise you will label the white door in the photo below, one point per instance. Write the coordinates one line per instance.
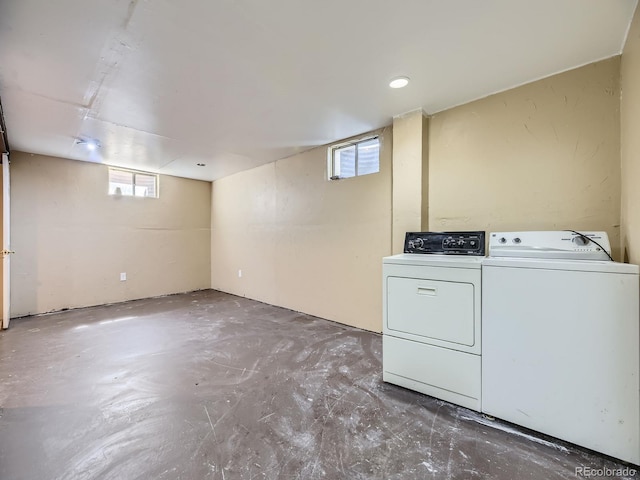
(6, 243)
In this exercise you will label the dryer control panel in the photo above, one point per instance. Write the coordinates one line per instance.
(445, 243)
(564, 244)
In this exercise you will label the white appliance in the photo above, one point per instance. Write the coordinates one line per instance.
(432, 318)
(561, 339)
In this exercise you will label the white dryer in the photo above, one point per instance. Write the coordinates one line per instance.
(560, 333)
(432, 316)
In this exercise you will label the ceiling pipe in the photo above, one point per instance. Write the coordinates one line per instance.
(4, 139)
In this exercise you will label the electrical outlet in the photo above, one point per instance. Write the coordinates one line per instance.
(123, 276)
(239, 273)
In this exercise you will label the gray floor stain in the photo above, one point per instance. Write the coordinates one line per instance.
(210, 385)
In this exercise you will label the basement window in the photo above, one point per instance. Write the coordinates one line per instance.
(354, 159)
(132, 184)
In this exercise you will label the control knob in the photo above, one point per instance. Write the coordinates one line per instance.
(580, 240)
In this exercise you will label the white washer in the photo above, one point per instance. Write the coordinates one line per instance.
(432, 325)
(561, 340)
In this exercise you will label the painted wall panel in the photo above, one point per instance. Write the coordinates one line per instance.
(72, 240)
(630, 143)
(316, 245)
(543, 156)
(243, 234)
(332, 237)
(408, 173)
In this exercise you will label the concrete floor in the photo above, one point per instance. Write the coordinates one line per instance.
(212, 386)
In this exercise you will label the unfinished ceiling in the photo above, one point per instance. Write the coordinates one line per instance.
(232, 84)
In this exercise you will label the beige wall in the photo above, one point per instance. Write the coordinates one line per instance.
(630, 143)
(302, 241)
(244, 234)
(543, 156)
(72, 240)
(410, 176)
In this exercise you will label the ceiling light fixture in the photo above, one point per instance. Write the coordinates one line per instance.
(90, 143)
(399, 82)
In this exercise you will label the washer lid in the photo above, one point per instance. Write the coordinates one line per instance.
(596, 266)
(433, 260)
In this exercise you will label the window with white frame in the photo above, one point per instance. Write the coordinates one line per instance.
(132, 183)
(354, 159)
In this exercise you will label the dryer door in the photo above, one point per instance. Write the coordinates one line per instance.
(431, 310)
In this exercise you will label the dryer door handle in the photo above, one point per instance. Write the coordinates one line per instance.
(432, 291)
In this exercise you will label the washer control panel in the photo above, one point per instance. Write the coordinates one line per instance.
(445, 243)
(565, 244)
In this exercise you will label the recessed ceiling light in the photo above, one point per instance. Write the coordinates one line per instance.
(201, 164)
(399, 82)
